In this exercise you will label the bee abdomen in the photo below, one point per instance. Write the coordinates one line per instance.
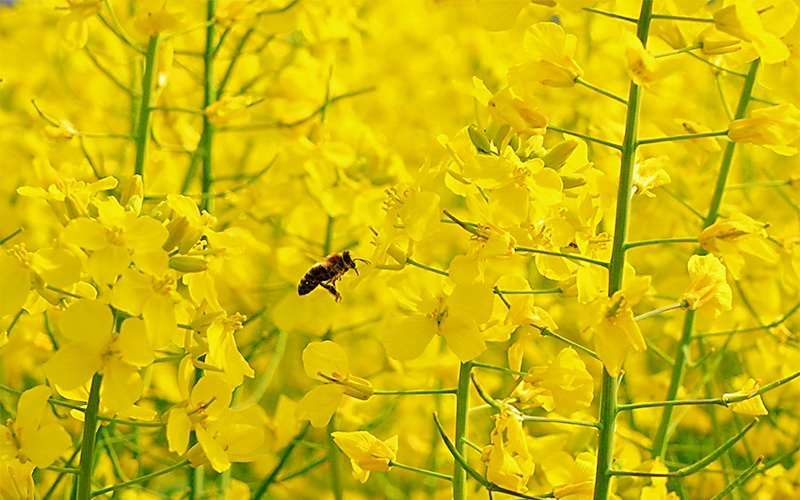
(306, 286)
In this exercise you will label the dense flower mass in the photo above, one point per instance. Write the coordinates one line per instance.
(503, 248)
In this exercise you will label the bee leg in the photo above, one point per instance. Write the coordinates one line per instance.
(332, 289)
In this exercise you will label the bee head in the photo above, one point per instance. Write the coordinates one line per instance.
(350, 262)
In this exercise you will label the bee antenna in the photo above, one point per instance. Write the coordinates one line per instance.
(362, 260)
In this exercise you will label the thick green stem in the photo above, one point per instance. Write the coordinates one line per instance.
(462, 406)
(145, 107)
(608, 401)
(89, 437)
(209, 97)
(679, 368)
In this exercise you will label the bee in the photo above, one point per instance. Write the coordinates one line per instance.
(327, 272)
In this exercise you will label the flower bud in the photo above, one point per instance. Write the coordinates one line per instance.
(717, 47)
(187, 264)
(73, 207)
(177, 228)
(479, 139)
(358, 388)
(133, 193)
(572, 181)
(559, 154)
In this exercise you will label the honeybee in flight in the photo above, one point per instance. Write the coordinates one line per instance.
(327, 272)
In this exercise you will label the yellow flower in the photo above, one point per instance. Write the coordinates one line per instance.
(509, 463)
(642, 66)
(650, 174)
(732, 236)
(209, 399)
(32, 437)
(564, 386)
(93, 347)
(327, 361)
(616, 332)
(234, 436)
(115, 239)
(776, 128)
(455, 317)
(658, 485)
(228, 109)
(743, 21)
(367, 453)
(73, 27)
(573, 479)
(152, 18)
(753, 405)
(520, 115)
(709, 289)
(549, 52)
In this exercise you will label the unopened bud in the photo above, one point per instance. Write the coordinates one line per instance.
(718, 47)
(59, 209)
(74, 208)
(177, 228)
(559, 154)
(501, 134)
(572, 181)
(479, 139)
(187, 264)
(133, 193)
(359, 388)
(514, 142)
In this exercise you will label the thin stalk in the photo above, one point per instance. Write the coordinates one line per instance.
(144, 120)
(608, 401)
(209, 97)
(415, 392)
(462, 405)
(581, 81)
(333, 462)
(659, 241)
(585, 137)
(142, 479)
(282, 459)
(685, 137)
(741, 479)
(84, 491)
(656, 312)
(662, 433)
(565, 255)
(431, 473)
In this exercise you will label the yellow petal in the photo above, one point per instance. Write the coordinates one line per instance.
(407, 337)
(16, 283)
(327, 358)
(319, 405)
(73, 365)
(178, 427)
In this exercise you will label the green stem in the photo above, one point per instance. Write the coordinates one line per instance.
(530, 418)
(415, 392)
(462, 406)
(142, 479)
(682, 18)
(608, 401)
(431, 473)
(685, 137)
(581, 81)
(741, 479)
(546, 332)
(679, 368)
(209, 97)
(656, 312)
(679, 51)
(565, 255)
(333, 462)
(84, 491)
(427, 268)
(659, 241)
(144, 120)
(610, 14)
(585, 137)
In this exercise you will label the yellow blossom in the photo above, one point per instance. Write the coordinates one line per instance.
(327, 361)
(509, 464)
(642, 66)
(572, 478)
(650, 174)
(228, 109)
(94, 347)
(752, 405)
(549, 52)
(455, 317)
(565, 386)
(615, 331)
(367, 453)
(709, 289)
(32, 436)
(776, 128)
(743, 21)
(730, 237)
